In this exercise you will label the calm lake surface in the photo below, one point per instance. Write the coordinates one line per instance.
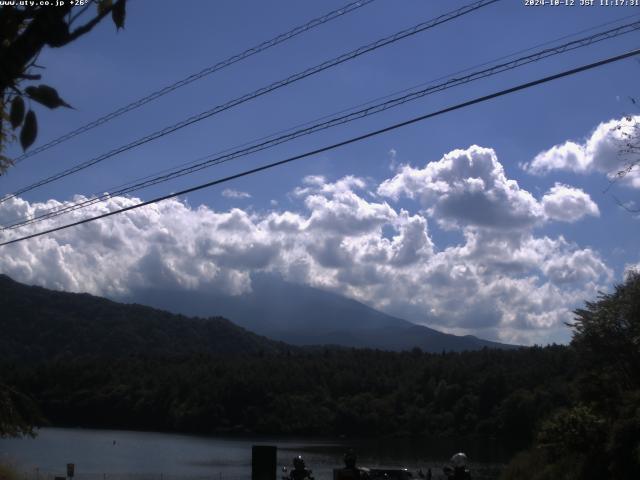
(117, 455)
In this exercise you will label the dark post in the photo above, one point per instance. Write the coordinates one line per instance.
(263, 462)
(71, 468)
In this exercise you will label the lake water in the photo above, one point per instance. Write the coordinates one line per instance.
(125, 455)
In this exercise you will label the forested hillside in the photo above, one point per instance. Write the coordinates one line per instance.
(40, 324)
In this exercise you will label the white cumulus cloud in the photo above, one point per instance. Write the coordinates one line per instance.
(501, 281)
(467, 188)
(604, 151)
(568, 204)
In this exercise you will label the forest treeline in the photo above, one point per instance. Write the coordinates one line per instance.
(489, 393)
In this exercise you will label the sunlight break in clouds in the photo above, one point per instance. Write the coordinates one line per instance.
(500, 282)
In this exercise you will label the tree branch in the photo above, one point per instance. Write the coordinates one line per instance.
(81, 11)
(87, 27)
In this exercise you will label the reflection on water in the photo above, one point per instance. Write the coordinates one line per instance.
(124, 455)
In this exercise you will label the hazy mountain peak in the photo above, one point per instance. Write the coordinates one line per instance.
(304, 315)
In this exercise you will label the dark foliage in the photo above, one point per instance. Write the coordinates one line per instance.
(489, 393)
(599, 435)
(25, 29)
(18, 413)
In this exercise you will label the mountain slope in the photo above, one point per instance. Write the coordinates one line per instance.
(302, 315)
(39, 324)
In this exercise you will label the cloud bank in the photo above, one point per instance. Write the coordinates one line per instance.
(502, 281)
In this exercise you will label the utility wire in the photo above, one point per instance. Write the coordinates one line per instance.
(395, 126)
(385, 97)
(199, 164)
(316, 22)
(223, 157)
(262, 91)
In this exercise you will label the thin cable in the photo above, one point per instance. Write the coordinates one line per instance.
(390, 95)
(223, 157)
(395, 126)
(262, 91)
(197, 76)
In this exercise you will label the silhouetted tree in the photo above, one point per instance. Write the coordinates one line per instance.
(18, 413)
(24, 31)
(607, 333)
(598, 436)
(630, 152)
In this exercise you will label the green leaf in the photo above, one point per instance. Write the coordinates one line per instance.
(47, 96)
(17, 112)
(118, 13)
(29, 130)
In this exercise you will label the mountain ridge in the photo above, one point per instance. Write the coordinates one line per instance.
(303, 315)
(43, 324)
(39, 324)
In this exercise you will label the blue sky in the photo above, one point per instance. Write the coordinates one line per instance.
(165, 41)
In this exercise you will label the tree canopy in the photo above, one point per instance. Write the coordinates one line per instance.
(598, 435)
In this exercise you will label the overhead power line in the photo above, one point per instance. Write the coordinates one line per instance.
(335, 121)
(262, 91)
(359, 138)
(316, 22)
